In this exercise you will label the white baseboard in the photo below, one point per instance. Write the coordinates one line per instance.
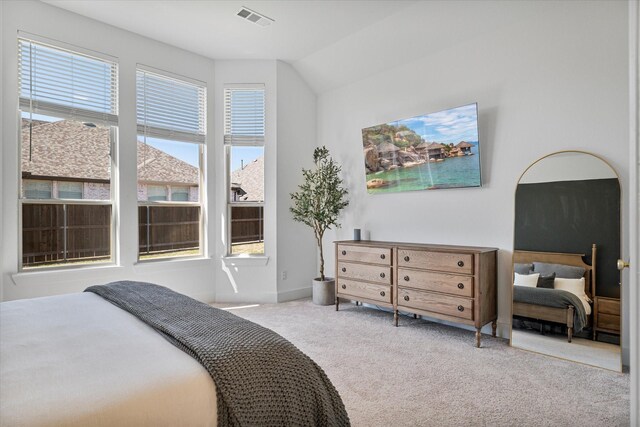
(294, 294)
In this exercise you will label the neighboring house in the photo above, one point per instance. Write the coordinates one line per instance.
(67, 159)
(247, 183)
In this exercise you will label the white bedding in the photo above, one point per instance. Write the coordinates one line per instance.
(77, 360)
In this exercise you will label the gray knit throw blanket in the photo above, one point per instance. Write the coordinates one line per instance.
(261, 378)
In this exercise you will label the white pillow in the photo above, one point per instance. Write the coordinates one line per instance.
(528, 280)
(576, 287)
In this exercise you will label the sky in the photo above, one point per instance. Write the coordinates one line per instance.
(454, 125)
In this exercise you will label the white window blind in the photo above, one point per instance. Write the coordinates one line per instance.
(169, 108)
(61, 83)
(244, 115)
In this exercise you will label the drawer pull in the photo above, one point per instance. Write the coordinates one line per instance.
(382, 275)
(406, 278)
(406, 258)
(406, 297)
(344, 269)
(382, 293)
(460, 308)
(460, 285)
(461, 263)
(382, 256)
(344, 252)
(344, 286)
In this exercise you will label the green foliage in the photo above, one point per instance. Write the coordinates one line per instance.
(387, 133)
(320, 197)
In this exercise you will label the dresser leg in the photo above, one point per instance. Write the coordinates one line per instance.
(415, 316)
(494, 327)
(478, 334)
(569, 334)
(337, 303)
(395, 317)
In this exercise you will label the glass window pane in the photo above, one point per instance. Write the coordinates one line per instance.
(67, 149)
(36, 189)
(180, 194)
(247, 174)
(166, 231)
(156, 192)
(167, 163)
(247, 230)
(70, 190)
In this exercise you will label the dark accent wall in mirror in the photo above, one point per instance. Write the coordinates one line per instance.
(554, 217)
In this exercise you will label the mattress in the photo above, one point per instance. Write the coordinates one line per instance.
(77, 360)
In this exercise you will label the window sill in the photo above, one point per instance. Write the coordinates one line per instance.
(245, 260)
(49, 275)
(160, 264)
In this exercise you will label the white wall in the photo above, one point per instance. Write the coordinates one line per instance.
(553, 81)
(296, 140)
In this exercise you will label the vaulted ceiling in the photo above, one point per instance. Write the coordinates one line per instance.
(330, 42)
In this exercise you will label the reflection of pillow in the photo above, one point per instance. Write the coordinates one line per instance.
(546, 281)
(563, 271)
(522, 268)
(528, 280)
(576, 287)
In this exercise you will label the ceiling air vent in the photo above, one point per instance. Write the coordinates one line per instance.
(255, 17)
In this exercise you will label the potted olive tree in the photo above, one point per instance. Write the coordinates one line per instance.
(318, 203)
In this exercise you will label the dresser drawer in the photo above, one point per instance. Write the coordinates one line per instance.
(440, 261)
(370, 291)
(438, 282)
(368, 273)
(364, 254)
(609, 321)
(437, 303)
(608, 306)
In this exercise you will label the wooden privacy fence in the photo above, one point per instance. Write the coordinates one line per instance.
(247, 224)
(168, 228)
(63, 232)
(60, 233)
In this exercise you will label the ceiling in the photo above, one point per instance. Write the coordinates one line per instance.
(330, 42)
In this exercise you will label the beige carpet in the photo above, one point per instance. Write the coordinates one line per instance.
(427, 374)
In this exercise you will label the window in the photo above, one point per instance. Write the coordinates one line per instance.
(171, 134)
(244, 134)
(179, 194)
(70, 190)
(69, 118)
(156, 192)
(33, 189)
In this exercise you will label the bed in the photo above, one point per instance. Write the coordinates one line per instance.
(83, 360)
(542, 304)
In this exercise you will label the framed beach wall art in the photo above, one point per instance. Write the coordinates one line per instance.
(433, 151)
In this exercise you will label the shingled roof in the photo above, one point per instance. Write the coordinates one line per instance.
(251, 180)
(70, 150)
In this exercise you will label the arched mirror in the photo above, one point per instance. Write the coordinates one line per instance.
(566, 285)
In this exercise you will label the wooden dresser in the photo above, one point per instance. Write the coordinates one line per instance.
(606, 316)
(453, 283)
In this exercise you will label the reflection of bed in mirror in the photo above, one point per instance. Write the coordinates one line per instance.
(555, 305)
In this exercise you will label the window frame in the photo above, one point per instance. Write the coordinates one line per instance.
(228, 146)
(201, 171)
(109, 120)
